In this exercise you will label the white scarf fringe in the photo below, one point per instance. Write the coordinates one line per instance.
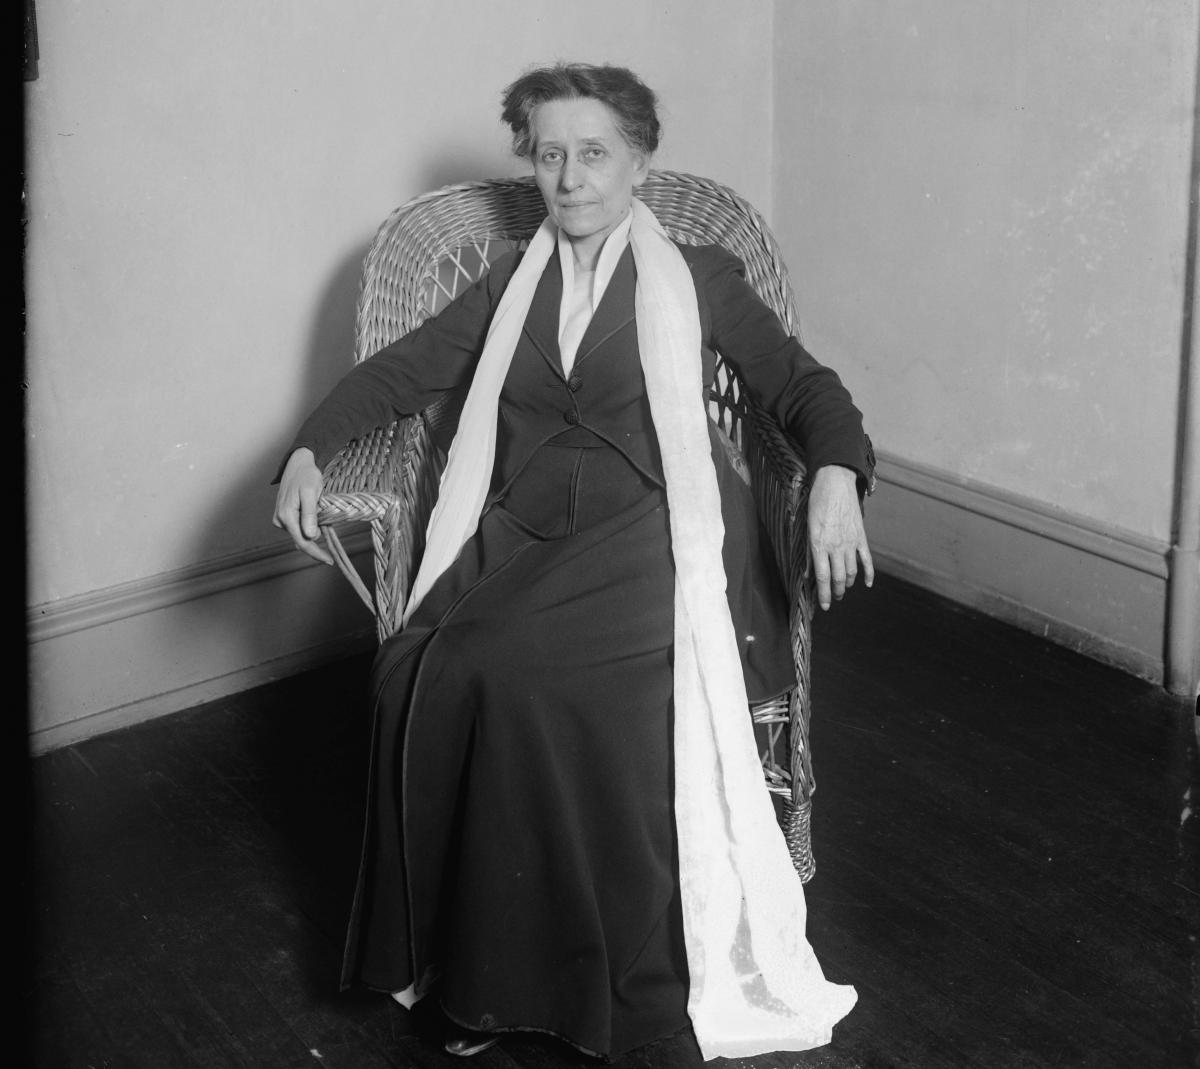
(755, 984)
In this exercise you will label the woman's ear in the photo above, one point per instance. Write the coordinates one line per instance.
(641, 168)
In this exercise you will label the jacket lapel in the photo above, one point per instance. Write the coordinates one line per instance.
(541, 321)
(615, 310)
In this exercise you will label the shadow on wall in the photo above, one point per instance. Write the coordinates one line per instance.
(319, 606)
(306, 610)
(466, 166)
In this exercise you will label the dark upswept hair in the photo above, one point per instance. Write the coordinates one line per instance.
(631, 101)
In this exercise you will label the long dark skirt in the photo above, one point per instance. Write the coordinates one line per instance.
(520, 842)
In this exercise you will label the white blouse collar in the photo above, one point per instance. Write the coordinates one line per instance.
(606, 265)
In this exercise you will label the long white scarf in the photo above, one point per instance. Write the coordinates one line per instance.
(755, 984)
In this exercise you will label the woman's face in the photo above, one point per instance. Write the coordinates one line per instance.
(585, 168)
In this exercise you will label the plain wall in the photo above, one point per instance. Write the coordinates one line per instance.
(203, 180)
(984, 207)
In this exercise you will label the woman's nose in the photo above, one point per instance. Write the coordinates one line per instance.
(570, 176)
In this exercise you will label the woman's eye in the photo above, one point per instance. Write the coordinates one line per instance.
(595, 153)
(552, 157)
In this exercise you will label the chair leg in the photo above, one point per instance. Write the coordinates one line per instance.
(797, 830)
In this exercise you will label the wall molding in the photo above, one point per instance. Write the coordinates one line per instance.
(1093, 587)
(1113, 543)
(114, 657)
(53, 619)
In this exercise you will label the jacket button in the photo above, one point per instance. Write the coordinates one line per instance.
(574, 382)
(571, 416)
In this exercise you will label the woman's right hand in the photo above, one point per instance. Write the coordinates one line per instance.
(296, 504)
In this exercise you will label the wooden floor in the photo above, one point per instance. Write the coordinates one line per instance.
(1007, 869)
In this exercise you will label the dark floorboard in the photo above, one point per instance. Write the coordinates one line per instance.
(1007, 869)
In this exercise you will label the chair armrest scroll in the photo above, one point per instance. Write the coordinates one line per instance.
(389, 480)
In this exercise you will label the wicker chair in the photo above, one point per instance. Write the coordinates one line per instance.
(426, 252)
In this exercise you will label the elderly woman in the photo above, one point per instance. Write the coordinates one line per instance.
(566, 829)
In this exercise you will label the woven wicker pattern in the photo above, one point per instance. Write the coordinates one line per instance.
(425, 253)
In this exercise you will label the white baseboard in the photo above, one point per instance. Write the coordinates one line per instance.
(1094, 588)
(115, 657)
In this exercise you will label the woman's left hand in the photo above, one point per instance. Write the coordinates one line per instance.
(835, 533)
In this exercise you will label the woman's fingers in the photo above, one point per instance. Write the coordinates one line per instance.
(837, 571)
(296, 505)
(837, 539)
(868, 565)
(315, 550)
(837, 574)
(832, 576)
(849, 568)
(301, 525)
(309, 496)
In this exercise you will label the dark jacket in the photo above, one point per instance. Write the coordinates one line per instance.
(410, 374)
(575, 450)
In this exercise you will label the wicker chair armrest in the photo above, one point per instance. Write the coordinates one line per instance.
(781, 484)
(387, 479)
(779, 477)
(780, 481)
